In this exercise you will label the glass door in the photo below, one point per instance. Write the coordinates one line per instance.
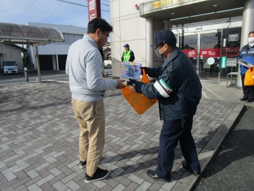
(188, 44)
(210, 54)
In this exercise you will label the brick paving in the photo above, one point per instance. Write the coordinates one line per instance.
(39, 141)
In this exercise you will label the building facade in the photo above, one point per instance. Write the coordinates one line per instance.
(13, 53)
(210, 32)
(53, 56)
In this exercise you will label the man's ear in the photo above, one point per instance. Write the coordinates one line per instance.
(98, 33)
(166, 45)
(168, 48)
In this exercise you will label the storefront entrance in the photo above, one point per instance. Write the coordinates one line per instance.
(213, 52)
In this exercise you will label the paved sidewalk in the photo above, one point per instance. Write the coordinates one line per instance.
(39, 140)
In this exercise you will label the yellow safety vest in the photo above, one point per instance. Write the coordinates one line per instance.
(126, 55)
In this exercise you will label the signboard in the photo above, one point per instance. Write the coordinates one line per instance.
(157, 5)
(233, 37)
(191, 53)
(171, 3)
(230, 52)
(204, 53)
(223, 62)
(210, 61)
(210, 52)
(231, 62)
(94, 9)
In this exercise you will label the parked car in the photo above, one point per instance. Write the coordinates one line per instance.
(107, 71)
(10, 67)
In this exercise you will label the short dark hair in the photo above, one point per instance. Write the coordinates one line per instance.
(172, 45)
(250, 32)
(96, 23)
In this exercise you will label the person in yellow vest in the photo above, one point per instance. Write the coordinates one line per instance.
(128, 54)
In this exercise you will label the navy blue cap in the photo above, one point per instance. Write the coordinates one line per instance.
(126, 45)
(164, 36)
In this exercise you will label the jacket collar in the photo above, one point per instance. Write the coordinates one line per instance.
(174, 54)
(90, 40)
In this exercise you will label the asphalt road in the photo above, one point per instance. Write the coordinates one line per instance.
(32, 77)
(233, 167)
(45, 75)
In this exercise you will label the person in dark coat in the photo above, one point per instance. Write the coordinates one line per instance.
(178, 90)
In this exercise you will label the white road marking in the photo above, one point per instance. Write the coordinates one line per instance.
(205, 95)
(213, 93)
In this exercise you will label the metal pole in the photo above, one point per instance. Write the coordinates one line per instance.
(3, 51)
(182, 37)
(38, 64)
(57, 62)
(26, 75)
(149, 41)
(198, 55)
(221, 46)
(166, 24)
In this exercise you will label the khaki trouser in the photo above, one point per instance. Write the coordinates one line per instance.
(91, 118)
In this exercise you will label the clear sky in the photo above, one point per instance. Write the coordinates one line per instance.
(49, 11)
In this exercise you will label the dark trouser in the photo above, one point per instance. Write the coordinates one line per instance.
(248, 91)
(172, 132)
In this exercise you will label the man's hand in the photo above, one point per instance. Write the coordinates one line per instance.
(120, 84)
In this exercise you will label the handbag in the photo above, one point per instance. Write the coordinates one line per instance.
(249, 77)
(138, 102)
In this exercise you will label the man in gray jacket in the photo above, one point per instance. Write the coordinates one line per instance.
(84, 66)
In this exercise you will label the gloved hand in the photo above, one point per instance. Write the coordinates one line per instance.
(135, 84)
(131, 82)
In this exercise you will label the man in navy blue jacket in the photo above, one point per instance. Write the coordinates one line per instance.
(246, 55)
(178, 91)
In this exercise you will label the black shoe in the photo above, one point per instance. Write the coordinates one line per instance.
(153, 175)
(244, 99)
(184, 165)
(250, 100)
(98, 175)
(82, 164)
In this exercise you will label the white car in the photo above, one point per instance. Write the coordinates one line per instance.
(10, 67)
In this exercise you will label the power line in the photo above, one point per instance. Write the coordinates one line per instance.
(80, 4)
(105, 4)
(72, 3)
(52, 12)
(23, 11)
